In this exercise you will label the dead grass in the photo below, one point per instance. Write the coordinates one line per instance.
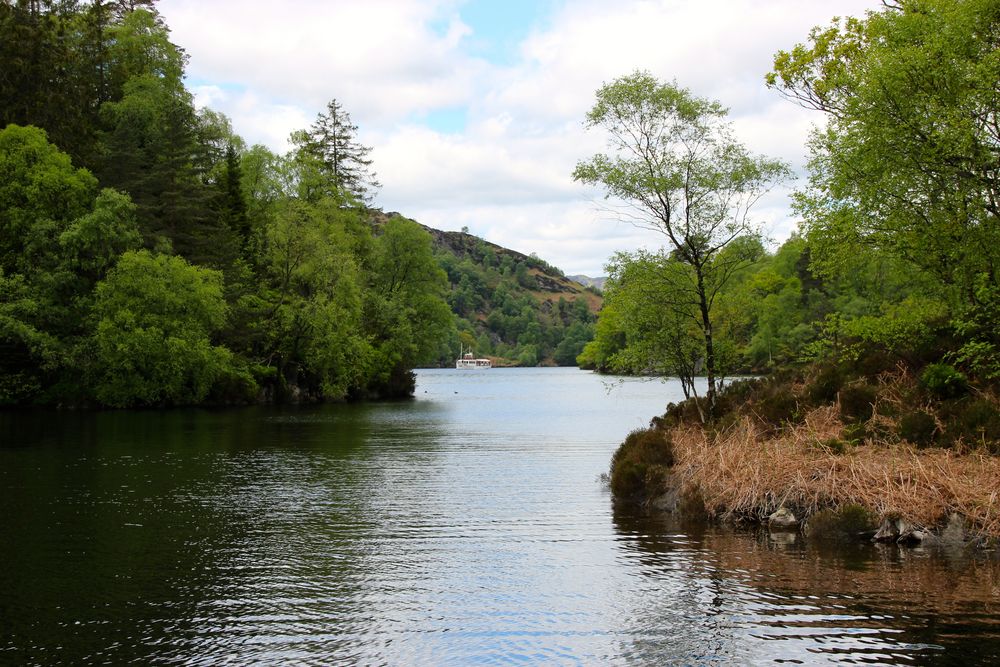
(745, 472)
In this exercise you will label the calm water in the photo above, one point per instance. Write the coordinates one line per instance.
(465, 527)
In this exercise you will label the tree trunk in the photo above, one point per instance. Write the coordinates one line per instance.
(706, 323)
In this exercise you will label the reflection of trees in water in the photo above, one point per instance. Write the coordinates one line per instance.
(684, 612)
(163, 535)
(109, 547)
(827, 602)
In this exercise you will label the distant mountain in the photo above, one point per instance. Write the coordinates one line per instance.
(587, 281)
(514, 308)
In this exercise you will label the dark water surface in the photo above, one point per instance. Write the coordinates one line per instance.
(464, 527)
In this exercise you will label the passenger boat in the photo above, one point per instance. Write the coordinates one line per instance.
(469, 361)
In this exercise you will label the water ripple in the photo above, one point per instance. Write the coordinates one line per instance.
(455, 529)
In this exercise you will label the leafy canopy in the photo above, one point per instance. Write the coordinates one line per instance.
(675, 168)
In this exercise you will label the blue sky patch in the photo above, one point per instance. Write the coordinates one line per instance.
(498, 28)
(446, 121)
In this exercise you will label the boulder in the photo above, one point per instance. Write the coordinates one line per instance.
(953, 534)
(913, 535)
(890, 530)
(782, 519)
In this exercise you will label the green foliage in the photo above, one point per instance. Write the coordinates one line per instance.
(648, 324)
(905, 165)
(40, 193)
(675, 163)
(638, 463)
(978, 325)
(93, 242)
(332, 144)
(505, 311)
(944, 381)
(918, 427)
(406, 311)
(278, 271)
(154, 316)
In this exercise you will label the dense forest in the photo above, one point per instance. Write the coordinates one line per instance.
(895, 265)
(515, 308)
(149, 257)
(877, 324)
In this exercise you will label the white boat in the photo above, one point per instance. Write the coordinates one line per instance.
(469, 361)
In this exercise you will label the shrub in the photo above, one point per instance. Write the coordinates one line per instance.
(777, 406)
(637, 467)
(857, 402)
(944, 381)
(917, 427)
(628, 479)
(736, 394)
(974, 421)
(834, 445)
(874, 362)
(855, 433)
(825, 384)
(685, 412)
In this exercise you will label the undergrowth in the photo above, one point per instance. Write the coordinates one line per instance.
(890, 440)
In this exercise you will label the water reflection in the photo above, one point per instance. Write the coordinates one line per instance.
(775, 599)
(462, 527)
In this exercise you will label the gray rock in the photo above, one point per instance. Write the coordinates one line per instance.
(953, 534)
(783, 518)
(890, 530)
(913, 535)
(666, 502)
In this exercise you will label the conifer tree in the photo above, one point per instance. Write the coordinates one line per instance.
(332, 140)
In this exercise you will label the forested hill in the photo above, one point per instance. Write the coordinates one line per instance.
(149, 256)
(514, 308)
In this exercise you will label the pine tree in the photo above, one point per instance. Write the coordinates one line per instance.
(230, 202)
(124, 7)
(332, 140)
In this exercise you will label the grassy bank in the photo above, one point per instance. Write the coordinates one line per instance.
(823, 441)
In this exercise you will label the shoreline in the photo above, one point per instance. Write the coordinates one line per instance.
(821, 467)
(898, 494)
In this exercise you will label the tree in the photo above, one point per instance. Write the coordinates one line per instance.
(659, 328)
(332, 141)
(676, 169)
(307, 323)
(154, 317)
(908, 162)
(40, 193)
(123, 8)
(406, 314)
(58, 237)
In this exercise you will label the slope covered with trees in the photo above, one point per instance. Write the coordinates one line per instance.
(878, 321)
(149, 257)
(514, 308)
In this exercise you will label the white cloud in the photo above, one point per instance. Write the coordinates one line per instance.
(507, 175)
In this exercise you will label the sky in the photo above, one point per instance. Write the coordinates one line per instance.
(474, 109)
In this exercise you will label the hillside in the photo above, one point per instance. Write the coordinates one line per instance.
(514, 308)
(587, 281)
